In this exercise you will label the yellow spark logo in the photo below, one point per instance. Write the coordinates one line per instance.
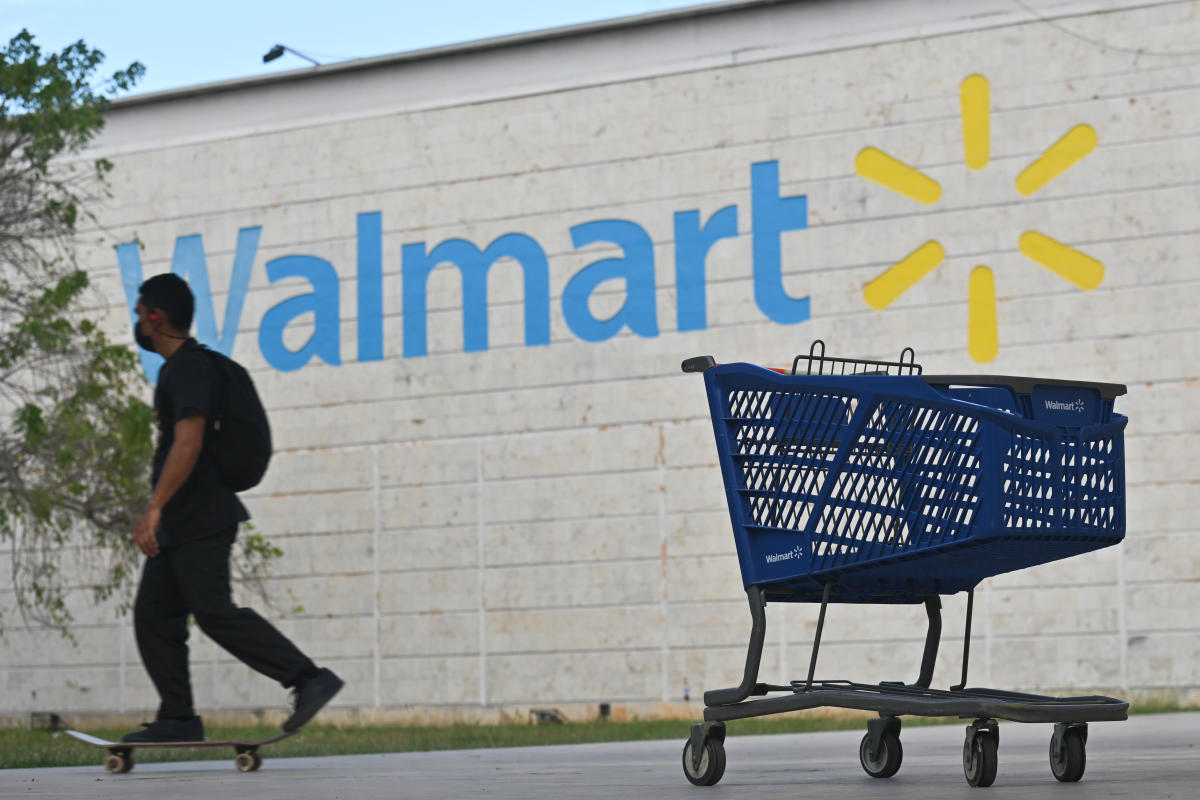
(1064, 261)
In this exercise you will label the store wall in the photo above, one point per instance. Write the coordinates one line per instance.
(493, 487)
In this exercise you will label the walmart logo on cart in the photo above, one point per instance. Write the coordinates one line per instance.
(795, 552)
(316, 310)
(1077, 406)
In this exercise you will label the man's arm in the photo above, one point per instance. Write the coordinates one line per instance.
(181, 460)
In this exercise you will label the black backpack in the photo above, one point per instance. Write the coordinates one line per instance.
(239, 436)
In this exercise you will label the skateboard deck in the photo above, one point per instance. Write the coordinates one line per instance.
(120, 757)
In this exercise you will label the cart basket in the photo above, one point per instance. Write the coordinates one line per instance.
(892, 488)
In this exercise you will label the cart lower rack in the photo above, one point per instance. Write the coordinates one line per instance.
(862, 481)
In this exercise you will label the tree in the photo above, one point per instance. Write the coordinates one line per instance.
(75, 435)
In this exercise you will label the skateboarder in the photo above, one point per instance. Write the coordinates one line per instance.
(188, 531)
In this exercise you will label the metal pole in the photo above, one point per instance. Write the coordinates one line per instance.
(966, 642)
(812, 664)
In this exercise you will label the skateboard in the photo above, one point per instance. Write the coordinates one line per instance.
(120, 757)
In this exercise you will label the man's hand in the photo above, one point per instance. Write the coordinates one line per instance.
(144, 531)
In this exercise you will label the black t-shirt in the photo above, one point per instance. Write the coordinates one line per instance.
(203, 505)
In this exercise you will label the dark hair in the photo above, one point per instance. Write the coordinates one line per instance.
(171, 293)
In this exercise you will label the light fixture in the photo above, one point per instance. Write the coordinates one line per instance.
(279, 49)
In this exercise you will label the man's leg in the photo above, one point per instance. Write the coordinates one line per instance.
(160, 625)
(202, 571)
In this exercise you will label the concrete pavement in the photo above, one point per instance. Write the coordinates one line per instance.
(1147, 757)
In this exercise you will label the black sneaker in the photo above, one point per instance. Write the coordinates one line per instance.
(168, 730)
(310, 695)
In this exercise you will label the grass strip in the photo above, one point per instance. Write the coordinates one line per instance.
(25, 748)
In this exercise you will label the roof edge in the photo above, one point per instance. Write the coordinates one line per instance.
(444, 51)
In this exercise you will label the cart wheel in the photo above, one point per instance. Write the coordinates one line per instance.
(1068, 755)
(246, 762)
(118, 763)
(979, 759)
(891, 753)
(712, 763)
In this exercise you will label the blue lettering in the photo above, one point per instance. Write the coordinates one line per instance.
(772, 215)
(692, 244)
(190, 264)
(322, 302)
(370, 287)
(636, 268)
(474, 266)
(129, 258)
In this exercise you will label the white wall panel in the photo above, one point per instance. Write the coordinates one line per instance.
(546, 525)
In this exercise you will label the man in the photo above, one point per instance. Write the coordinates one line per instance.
(188, 532)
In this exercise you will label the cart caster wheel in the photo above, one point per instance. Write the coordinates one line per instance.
(712, 763)
(1068, 755)
(979, 759)
(247, 762)
(118, 764)
(887, 763)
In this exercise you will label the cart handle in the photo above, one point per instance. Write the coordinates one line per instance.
(1019, 384)
(698, 363)
(705, 363)
(1024, 385)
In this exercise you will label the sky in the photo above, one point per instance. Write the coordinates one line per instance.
(187, 43)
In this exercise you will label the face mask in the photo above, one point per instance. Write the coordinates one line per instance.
(144, 342)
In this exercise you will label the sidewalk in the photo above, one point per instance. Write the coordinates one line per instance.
(1147, 757)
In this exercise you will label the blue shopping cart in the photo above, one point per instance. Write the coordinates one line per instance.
(863, 481)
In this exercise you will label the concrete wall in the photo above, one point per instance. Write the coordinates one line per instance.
(470, 533)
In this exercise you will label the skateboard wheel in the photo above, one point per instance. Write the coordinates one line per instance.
(118, 763)
(246, 762)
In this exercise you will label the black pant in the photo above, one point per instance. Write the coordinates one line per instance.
(193, 577)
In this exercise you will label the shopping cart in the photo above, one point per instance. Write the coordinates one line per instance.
(863, 481)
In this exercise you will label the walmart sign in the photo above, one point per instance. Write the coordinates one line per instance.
(771, 215)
